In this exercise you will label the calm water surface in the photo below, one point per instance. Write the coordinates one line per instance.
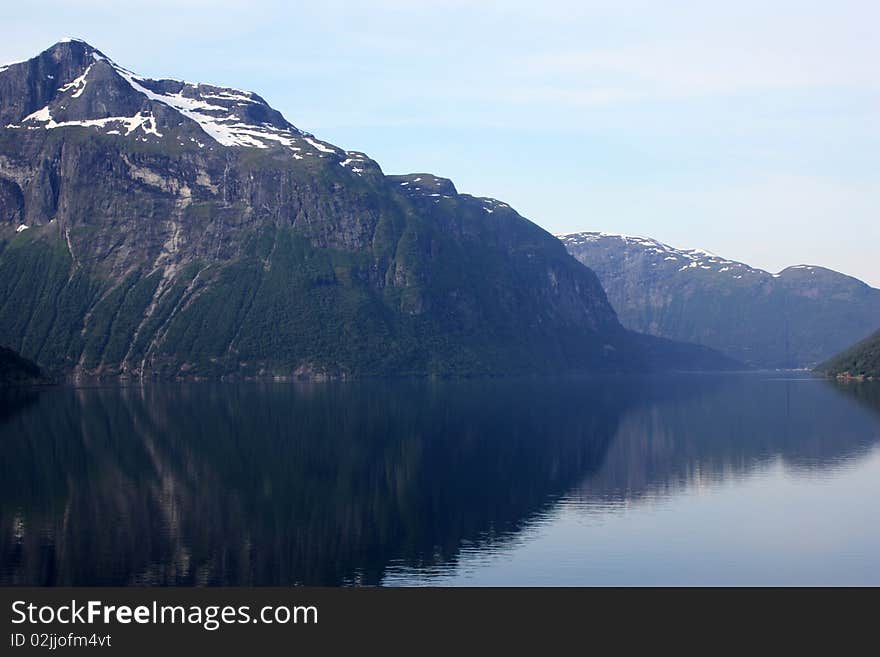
(733, 479)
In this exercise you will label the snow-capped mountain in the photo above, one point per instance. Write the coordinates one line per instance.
(794, 318)
(166, 228)
(656, 254)
(82, 87)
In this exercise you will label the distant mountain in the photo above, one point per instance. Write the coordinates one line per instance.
(859, 361)
(15, 370)
(796, 318)
(166, 228)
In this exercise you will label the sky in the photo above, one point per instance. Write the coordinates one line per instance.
(749, 129)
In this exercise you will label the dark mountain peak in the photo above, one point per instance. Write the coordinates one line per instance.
(69, 56)
(69, 51)
(73, 46)
(28, 86)
(73, 85)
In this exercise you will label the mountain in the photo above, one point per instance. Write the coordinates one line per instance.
(167, 228)
(15, 370)
(796, 318)
(859, 361)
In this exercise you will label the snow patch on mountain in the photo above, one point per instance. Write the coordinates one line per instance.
(660, 254)
(217, 121)
(224, 114)
(144, 120)
(79, 84)
(355, 161)
(687, 261)
(321, 147)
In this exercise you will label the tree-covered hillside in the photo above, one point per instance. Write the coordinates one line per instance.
(859, 361)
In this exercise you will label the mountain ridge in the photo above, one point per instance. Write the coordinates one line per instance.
(795, 318)
(163, 228)
(698, 254)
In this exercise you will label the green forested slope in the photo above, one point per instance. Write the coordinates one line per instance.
(860, 360)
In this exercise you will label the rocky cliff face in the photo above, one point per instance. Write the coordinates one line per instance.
(162, 228)
(792, 319)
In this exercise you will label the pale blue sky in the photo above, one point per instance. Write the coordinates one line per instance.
(751, 130)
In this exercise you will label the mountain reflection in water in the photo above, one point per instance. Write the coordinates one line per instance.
(347, 483)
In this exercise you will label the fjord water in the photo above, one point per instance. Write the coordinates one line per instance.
(709, 479)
